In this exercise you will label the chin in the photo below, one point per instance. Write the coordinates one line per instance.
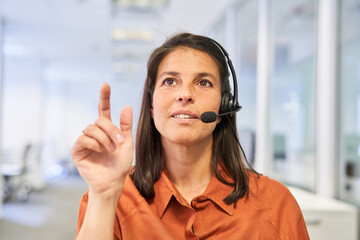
(182, 140)
(186, 139)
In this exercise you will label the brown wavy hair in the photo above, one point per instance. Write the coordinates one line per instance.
(226, 152)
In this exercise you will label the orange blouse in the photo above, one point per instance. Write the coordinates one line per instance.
(270, 212)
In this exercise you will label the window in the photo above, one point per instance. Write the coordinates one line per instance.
(246, 72)
(292, 92)
(350, 99)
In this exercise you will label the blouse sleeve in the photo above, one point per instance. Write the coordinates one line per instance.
(82, 211)
(280, 208)
(291, 223)
(288, 218)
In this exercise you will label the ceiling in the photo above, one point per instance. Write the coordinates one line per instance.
(69, 33)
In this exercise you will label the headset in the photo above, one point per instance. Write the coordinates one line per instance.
(229, 103)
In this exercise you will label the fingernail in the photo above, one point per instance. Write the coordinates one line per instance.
(119, 138)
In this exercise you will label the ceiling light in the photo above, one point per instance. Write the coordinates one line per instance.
(140, 4)
(119, 34)
(119, 67)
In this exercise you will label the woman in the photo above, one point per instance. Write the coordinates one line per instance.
(190, 179)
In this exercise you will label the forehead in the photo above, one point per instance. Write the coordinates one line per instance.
(189, 59)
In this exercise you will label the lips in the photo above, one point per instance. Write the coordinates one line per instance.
(184, 115)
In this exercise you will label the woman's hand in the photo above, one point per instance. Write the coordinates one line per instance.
(103, 153)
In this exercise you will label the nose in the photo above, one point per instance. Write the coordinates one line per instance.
(185, 95)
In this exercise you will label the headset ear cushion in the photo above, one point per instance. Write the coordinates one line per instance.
(226, 102)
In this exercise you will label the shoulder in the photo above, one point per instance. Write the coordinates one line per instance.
(275, 204)
(130, 195)
(267, 193)
(264, 187)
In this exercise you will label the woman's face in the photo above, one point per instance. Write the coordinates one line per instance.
(187, 85)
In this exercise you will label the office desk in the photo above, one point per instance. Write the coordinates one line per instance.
(327, 218)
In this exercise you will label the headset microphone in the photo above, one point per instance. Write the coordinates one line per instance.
(209, 117)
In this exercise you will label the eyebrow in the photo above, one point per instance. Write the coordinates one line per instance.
(176, 74)
(205, 74)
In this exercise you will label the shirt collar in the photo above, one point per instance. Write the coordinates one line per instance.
(216, 191)
(164, 190)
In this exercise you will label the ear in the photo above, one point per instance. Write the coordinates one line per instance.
(152, 112)
(218, 120)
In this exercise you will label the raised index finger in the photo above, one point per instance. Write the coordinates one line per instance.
(104, 101)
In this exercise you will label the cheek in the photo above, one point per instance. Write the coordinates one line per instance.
(157, 109)
(212, 102)
(154, 105)
(158, 117)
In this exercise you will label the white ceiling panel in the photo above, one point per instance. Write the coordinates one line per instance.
(81, 31)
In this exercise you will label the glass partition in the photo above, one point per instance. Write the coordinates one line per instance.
(246, 68)
(350, 99)
(292, 92)
(218, 31)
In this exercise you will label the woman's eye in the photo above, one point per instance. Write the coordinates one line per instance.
(205, 83)
(169, 81)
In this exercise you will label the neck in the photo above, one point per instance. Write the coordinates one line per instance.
(189, 166)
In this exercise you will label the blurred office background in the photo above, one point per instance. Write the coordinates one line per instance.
(298, 69)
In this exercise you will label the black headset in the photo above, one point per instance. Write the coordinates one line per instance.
(229, 102)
